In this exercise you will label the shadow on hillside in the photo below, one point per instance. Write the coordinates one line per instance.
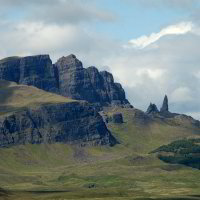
(5, 93)
(4, 194)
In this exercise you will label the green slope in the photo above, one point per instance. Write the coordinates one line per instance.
(13, 97)
(125, 171)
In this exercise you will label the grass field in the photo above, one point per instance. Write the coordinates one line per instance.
(14, 97)
(126, 171)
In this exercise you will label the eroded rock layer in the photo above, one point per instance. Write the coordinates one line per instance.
(74, 123)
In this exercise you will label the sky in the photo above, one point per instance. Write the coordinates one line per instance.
(151, 46)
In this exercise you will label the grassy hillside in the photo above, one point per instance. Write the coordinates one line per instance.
(14, 97)
(142, 136)
(125, 171)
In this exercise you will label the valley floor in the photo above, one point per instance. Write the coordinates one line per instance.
(126, 171)
(117, 177)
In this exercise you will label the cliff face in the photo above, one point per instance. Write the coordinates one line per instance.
(31, 115)
(32, 70)
(88, 84)
(39, 72)
(73, 122)
(9, 69)
(66, 77)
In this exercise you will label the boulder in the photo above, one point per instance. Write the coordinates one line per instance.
(117, 118)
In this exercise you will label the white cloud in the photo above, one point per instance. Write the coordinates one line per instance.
(177, 29)
(35, 38)
(57, 40)
(151, 73)
(181, 94)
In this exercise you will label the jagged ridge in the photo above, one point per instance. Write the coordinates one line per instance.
(66, 77)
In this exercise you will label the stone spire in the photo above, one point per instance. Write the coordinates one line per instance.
(164, 107)
(152, 109)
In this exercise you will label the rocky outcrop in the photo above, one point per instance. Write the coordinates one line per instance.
(173, 119)
(32, 70)
(74, 122)
(74, 80)
(88, 84)
(117, 118)
(164, 107)
(164, 110)
(9, 69)
(66, 77)
(152, 109)
(39, 72)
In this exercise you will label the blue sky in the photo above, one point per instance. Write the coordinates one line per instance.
(151, 46)
(133, 19)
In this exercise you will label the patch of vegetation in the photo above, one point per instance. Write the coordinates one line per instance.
(186, 152)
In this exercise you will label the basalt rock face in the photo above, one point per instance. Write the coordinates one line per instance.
(74, 80)
(66, 77)
(9, 69)
(164, 107)
(32, 70)
(39, 72)
(74, 123)
(88, 84)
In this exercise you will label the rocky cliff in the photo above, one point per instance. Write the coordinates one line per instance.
(48, 118)
(88, 84)
(171, 118)
(66, 77)
(66, 123)
(32, 70)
